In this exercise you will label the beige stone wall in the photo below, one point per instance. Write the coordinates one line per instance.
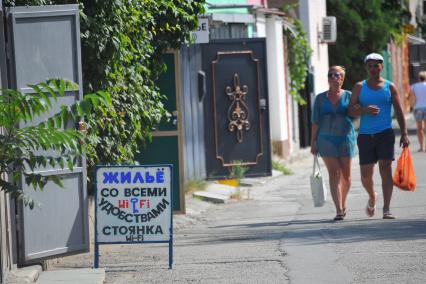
(5, 237)
(400, 71)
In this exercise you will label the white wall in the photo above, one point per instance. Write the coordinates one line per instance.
(415, 6)
(276, 80)
(260, 25)
(311, 14)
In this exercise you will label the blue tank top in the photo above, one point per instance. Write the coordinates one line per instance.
(382, 98)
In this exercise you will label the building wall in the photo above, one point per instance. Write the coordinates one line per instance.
(292, 113)
(258, 2)
(400, 69)
(5, 233)
(416, 9)
(5, 230)
(260, 25)
(311, 14)
(277, 85)
(5, 251)
(192, 113)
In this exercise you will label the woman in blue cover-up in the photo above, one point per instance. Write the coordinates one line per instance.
(333, 137)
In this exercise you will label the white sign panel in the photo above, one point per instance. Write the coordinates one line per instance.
(201, 35)
(133, 204)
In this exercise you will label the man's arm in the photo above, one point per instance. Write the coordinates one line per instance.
(354, 108)
(404, 142)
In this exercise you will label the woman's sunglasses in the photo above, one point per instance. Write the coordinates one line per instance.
(334, 75)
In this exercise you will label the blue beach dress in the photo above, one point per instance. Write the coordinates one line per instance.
(336, 135)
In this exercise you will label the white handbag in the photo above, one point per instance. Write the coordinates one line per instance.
(318, 189)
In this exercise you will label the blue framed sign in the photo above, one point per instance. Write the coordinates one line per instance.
(133, 205)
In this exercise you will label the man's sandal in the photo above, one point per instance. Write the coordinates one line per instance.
(370, 210)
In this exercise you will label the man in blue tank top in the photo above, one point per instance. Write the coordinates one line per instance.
(372, 99)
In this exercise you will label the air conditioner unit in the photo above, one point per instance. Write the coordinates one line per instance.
(329, 30)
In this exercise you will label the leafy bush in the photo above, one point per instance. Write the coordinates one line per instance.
(24, 149)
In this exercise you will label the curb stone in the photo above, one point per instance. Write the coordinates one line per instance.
(28, 274)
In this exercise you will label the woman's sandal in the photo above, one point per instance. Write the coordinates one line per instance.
(370, 210)
(388, 215)
(339, 217)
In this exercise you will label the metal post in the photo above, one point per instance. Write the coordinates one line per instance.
(171, 249)
(171, 221)
(96, 262)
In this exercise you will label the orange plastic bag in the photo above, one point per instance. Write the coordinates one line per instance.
(404, 177)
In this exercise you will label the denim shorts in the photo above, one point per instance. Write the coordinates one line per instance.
(375, 147)
(419, 113)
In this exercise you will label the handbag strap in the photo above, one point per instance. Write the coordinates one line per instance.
(316, 164)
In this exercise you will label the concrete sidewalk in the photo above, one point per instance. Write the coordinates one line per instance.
(34, 274)
(222, 193)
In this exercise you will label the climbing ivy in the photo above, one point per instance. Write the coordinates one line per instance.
(298, 55)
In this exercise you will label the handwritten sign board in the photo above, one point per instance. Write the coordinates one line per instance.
(133, 204)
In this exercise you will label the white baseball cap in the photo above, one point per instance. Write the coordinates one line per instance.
(373, 56)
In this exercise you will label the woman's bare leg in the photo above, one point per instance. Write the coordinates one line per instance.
(345, 180)
(334, 174)
(385, 167)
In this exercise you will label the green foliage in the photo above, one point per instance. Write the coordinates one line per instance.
(298, 56)
(194, 185)
(277, 166)
(122, 46)
(29, 147)
(363, 27)
(238, 170)
(122, 43)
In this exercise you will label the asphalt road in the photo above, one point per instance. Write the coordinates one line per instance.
(277, 236)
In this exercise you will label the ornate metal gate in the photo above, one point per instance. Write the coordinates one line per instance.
(236, 107)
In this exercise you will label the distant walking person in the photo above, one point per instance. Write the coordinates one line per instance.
(418, 102)
(372, 99)
(333, 137)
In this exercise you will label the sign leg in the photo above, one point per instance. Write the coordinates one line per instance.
(171, 253)
(96, 262)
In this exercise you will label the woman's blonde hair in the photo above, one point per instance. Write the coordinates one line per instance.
(422, 76)
(339, 68)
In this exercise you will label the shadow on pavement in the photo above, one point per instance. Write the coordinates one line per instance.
(314, 232)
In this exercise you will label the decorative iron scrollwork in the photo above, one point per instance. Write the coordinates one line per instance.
(238, 112)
